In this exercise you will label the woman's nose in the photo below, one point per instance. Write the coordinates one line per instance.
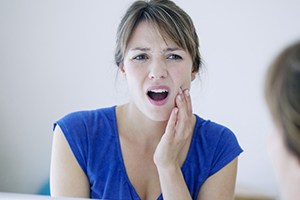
(158, 70)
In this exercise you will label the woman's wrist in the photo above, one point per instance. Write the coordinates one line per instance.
(168, 170)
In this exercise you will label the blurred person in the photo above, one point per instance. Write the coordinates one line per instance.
(282, 91)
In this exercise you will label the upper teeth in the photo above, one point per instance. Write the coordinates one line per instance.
(159, 90)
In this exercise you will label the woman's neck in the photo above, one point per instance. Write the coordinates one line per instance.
(139, 125)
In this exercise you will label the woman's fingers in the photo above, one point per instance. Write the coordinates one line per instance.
(184, 102)
(180, 115)
(179, 128)
(188, 101)
(170, 129)
(184, 113)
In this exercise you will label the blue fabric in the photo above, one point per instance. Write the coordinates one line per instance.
(45, 188)
(93, 138)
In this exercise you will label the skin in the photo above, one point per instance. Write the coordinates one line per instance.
(154, 138)
(67, 179)
(286, 166)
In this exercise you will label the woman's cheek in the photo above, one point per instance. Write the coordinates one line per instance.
(185, 85)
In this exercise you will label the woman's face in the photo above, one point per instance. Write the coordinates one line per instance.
(155, 70)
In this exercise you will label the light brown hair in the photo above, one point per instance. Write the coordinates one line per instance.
(170, 21)
(282, 90)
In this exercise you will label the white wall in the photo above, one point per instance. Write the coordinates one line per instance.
(56, 56)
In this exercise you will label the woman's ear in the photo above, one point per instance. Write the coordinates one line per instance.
(122, 69)
(193, 75)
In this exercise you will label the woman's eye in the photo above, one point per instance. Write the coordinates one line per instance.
(140, 57)
(174, 57)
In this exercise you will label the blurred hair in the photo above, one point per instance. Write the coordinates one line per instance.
(170, 21)
(282, 91)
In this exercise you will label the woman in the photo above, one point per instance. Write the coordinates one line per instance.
(283, 98)
(153, 147)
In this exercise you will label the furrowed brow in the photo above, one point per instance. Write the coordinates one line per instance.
(140, 49)
(173, 49)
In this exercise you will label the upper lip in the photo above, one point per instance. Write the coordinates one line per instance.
(158, 87)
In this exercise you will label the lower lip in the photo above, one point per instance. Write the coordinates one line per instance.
(158, 103)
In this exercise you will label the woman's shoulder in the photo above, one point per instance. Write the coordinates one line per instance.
(210, 127)
(213, 133)
(216, 142)
(90, 114)
(87, 118)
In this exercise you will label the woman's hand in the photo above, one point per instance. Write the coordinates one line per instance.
(178, 131)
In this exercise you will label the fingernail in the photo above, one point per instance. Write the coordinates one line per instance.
(179, 97)
(180, 90)
(187, 92)
(176, 110)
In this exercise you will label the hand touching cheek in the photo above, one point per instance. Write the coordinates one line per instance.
(178, 131)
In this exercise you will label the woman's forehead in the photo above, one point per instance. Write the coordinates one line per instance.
(146, 35)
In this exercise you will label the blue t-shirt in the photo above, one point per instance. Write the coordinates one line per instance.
(94, 140)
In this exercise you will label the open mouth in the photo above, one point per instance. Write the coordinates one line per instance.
(158, 94)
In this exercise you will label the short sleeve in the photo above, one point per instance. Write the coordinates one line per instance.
(227, 149)
(74, 130)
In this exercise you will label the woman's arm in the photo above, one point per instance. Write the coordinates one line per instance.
(173, 184)
(167, 154)
(66, 176)
(220, 185)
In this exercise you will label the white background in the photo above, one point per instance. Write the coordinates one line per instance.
(56, 56)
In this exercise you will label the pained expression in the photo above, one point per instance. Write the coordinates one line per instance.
(155, 70)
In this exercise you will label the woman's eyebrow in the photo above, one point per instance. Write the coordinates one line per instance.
(173, 49)
(140, 49)
(145, 49)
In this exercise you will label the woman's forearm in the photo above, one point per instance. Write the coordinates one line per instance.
(172, 183)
